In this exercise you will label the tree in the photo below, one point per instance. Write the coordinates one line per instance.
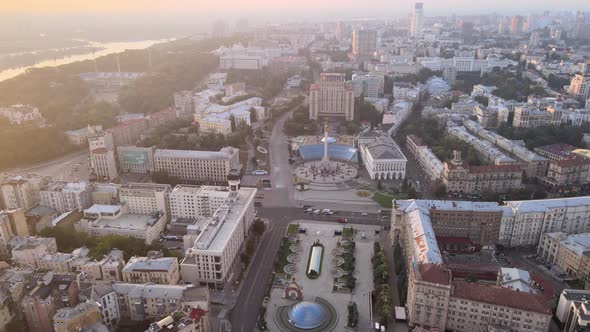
(232, 120)
(245, 258)
(482, 100)
(440, 190)
(258, 227)
(379, 185)
(250, 246)
(253, 115)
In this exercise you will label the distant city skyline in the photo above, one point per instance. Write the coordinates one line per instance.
(233, 6)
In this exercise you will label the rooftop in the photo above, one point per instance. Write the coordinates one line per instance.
(223, 154)
(148, 264)
(542, 205)
(497, 295)
(71, 312)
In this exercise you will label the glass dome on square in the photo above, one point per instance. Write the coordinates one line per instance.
(307, 315)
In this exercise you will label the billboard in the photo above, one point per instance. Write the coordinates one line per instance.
(135, 157)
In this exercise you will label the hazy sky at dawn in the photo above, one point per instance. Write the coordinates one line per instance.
(160, 6)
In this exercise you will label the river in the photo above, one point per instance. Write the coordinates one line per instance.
(105, 49)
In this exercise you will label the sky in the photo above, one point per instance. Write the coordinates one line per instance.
(231, 6)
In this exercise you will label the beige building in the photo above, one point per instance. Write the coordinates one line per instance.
(567, 172)
(458, 176)
(331, 96)
(76, 318)
(22, 192)
(26, 250)
(571, 253)
(528, 116)
(435, 300)
(161, 271)
(199, 166)
(149, 302)
(580, 87)
(107, 269)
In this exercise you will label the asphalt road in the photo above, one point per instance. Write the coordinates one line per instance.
(281, 177)
(71, 167)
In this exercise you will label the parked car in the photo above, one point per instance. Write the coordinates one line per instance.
(342, 220)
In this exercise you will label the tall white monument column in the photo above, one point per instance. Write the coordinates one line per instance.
(325, 159)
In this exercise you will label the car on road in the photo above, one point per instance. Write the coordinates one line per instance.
(316, 212)
(309, 210)
(342, 220)
(364, 214)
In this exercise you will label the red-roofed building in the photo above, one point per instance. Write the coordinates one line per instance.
(571, 171)
(161, 117)
(459, 176)
(476, 307)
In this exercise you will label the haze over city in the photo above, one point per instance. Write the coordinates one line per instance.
(294, 166)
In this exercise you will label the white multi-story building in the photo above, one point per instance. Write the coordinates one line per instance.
(431, 165)
(67, 196)
(193, 202)
(396, 115)
(19, 114)
(101, 140)
(104, 164)
(331, 96)
(145, 198)
(215, 118)
(573, 310)
(248, 62)
(417, 20)
(80, 136)
(103, 220)
(22, 192)
(198, 166)
(213, 242)
(160, 271)
(183, 101)
(580, 86)
(383, 159)
(369, 85)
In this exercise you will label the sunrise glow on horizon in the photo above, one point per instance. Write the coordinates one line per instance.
(155, 6)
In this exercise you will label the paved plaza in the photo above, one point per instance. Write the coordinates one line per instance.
(323, 286)
(326, 172)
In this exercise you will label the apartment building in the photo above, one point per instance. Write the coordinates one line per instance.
(459, 176)
(140, 303)
(194, 202)
(145, 198)
(161, 271)
(67, 196)
(26, 250)
(22, 192)
(198, 166)
(104, 164)
(77, 318)
(571, 253)
(435, 300)
(425, 157)
(580, 87)
(573, 310)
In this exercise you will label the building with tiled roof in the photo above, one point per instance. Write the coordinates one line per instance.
(459, 176)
